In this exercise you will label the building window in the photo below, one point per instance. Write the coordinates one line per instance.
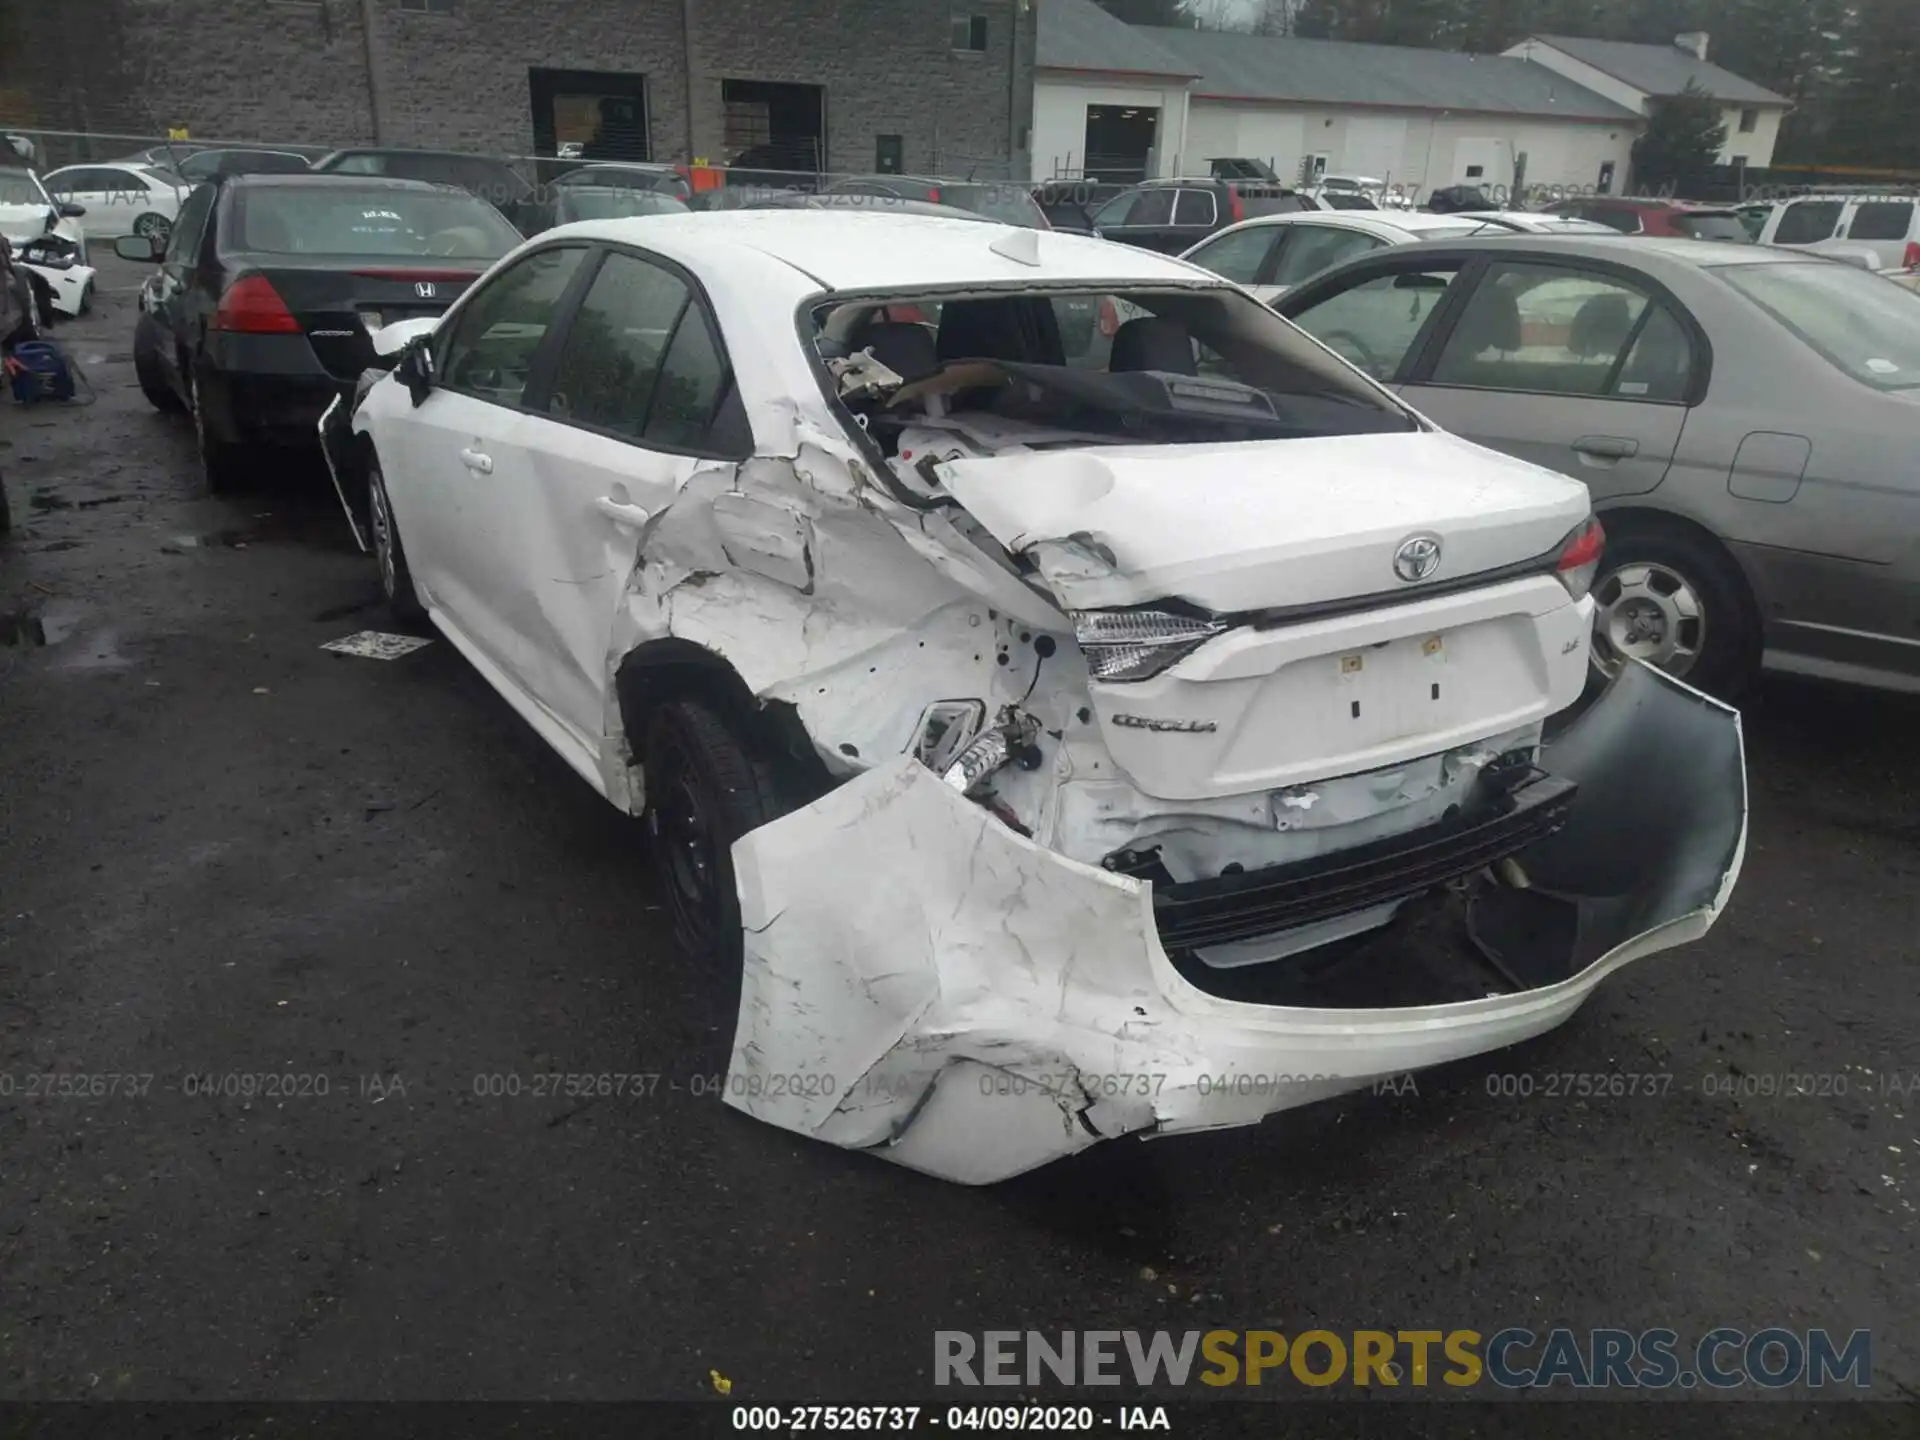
(746, 125)
(1749, 118)
(428, 7)
(970, 33)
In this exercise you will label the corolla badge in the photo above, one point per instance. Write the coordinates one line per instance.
(1417, 558)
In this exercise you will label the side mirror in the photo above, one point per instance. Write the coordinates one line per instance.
(148, 248)
(415, 369)
(70, 211)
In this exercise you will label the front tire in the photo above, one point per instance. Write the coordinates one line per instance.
(705, 790)
(396, 578)
(1673, 598)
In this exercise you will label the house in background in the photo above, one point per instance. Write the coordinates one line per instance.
(1637, 75)
(1141, 100)
(1108, 103)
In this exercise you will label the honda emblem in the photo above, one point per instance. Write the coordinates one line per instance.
(424, 289)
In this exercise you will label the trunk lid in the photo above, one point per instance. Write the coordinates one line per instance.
(1265, 525)
(1406, 669)
(339, 300)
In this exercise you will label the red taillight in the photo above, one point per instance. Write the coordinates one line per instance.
(251, 306)
(1579, 558)
(1109, 318)
(934, 196)
(1911, 260)
(1237, 210)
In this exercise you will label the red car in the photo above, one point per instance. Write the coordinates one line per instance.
(1632, 216)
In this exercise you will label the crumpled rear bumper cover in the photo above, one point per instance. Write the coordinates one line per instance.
(925, 983)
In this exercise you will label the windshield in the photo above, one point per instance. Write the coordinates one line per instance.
(19, 187)
(374, 221)
(1089, 367)
(1008, 204)
(1853, 319)
(581, 202)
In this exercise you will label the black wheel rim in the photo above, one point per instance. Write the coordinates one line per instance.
(685, 829)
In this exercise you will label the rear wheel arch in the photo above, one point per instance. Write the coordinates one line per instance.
(661, 672)
(1629, 527)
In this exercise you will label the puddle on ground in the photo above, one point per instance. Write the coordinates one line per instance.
(54, 622)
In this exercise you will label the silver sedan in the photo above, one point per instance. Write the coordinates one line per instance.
(1747, 419)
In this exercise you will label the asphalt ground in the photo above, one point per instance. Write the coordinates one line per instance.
(225, 852)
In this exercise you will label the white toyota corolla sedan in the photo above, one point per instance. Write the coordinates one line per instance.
(1070, 700)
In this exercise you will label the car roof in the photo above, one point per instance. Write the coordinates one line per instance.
(1659, 249)
(878, 251)
(1406, 222)
(408, 150)
(307, 180)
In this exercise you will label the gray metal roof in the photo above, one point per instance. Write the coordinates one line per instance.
(1079, 35)
(1386, 77)
(1661, 69)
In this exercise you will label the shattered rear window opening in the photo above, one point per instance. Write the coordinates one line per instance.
(1047, 369)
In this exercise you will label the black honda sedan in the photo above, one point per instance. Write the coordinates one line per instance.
(260, 309)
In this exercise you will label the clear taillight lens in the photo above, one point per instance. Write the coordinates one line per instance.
(1136, 644)
(1580, 558)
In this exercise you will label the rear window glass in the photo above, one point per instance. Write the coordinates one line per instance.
(1008, 204)
(1853, 319)
(579, 202)
(1712, 227)
(1806, 221)
(1268, 204)
(1881, 220)
(1349, 200)
(396, 223)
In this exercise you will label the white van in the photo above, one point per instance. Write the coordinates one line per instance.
(1887, 224)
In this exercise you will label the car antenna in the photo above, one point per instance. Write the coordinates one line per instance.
(1020, 246)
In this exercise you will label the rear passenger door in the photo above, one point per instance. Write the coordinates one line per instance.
(1583, 370)
(641, 397)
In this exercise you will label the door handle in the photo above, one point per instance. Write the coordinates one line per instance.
(621, 513)
(475, 461)
(1607, 447)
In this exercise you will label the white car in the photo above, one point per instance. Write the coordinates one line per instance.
(1272, 253)
(47, 240)
(1059, 734)
(122, 199)
(1887, 223)
(1534, 222)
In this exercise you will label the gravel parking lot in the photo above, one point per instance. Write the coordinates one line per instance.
(225, 852)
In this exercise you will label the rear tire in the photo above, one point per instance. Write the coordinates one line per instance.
(223, 464)
(396, 578)
(153, 226)
(1675, 598)
(704, 791)
(152, 376)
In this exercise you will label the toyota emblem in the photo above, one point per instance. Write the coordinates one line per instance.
(424, 289)
(1417, 558)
